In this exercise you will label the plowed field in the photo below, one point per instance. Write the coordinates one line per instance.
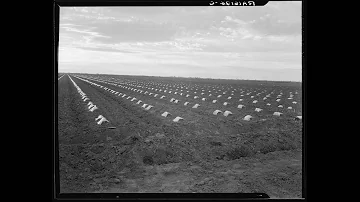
(139, 150)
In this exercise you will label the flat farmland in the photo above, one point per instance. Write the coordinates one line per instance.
(155, 134)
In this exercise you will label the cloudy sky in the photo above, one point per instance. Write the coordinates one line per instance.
(262, 43)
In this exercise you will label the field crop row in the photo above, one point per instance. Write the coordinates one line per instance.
(90, 106)
(249, 104)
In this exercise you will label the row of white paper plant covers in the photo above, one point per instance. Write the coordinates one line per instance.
(165, 86)
(182, 86)
(90, 105)
(225, 113)
(204, 99)
(145, 106)
(166, 89)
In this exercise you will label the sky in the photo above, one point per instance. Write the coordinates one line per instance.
(229, 42)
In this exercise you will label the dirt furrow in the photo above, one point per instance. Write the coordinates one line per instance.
(75, 124)
(77, 133)
(128, 119)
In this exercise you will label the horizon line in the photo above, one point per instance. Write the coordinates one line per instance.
(184, 77)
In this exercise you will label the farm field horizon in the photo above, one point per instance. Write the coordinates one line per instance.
(148, 134)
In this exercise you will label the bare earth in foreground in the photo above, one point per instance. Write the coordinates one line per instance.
(277, 174)
(149, 153)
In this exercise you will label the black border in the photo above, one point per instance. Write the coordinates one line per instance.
(161, 196)
(151, 2)
(304, 98)
(54, 141)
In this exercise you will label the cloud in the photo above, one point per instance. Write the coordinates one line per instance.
(105, 49)
(274, 26)
(133, 31)
(215, 42)
(84, 30)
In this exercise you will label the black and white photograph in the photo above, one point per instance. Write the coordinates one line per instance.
(185, 99)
